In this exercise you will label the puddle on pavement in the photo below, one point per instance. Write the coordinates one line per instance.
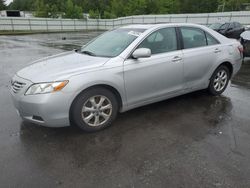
(243, 76)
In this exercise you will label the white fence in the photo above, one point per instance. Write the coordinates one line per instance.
(47, 24)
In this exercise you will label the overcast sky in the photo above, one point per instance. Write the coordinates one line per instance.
(8, 1)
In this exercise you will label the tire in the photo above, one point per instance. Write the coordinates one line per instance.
(94, 109)
(219, 80)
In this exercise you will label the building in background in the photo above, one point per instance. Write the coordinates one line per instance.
(15, 13)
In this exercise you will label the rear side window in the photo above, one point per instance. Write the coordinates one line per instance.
(193, 38)
(211, 40)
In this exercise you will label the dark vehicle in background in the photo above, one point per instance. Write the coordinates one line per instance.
(228, 29)
(245, 41)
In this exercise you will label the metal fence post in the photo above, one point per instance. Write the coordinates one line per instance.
(98, 24)
(30, 24)
(12, 25)
(186, 18)
(74, 25)
(47, 24)
(208, 18)
(61, 24)
(231, 15)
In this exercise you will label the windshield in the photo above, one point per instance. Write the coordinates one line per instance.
(112, 43)
(215, 26)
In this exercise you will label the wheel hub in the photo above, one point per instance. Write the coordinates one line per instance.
(97, 110)
(220, 80)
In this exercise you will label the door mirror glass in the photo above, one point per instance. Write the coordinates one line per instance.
(141, 53)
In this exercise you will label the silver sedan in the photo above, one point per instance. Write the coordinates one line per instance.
(123, 69)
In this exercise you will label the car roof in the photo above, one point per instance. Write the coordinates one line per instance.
(158, 25)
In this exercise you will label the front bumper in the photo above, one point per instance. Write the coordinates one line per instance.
(51, 110)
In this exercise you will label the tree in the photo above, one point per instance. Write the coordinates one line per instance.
(78, 14)
(232, 5)
(198, 6)
(53, 11)
(73, 11)
(120, 8)
(69, 11)
(41, 9)
(94, 14)
(2, 5)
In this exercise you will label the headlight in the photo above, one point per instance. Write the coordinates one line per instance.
(42, 88)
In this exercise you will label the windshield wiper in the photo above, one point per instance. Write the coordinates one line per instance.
(88, 53)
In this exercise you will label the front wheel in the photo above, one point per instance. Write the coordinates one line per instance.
(219, 80)
(94, 109)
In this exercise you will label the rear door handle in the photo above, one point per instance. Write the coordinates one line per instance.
(217, 50)
(176, 59)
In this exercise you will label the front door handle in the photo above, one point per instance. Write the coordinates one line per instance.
(217, 50)
(176, 59)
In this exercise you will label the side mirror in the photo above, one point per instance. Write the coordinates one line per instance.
(141, 53)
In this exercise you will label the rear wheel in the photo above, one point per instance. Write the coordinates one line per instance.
(219, 80)
(94, 109)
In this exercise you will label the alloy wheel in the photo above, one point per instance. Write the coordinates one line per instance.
(97, 110)
(220, 80)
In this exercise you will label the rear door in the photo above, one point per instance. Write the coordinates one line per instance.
(200, 51)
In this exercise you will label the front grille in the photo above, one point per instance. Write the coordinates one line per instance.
(16, 86)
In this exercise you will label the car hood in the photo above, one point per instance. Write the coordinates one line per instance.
(60, 67)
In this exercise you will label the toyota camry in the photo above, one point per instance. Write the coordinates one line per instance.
(122, 69)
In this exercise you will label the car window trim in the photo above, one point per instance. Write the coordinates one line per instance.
(196, 28)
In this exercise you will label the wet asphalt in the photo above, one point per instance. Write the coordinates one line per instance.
(195, 140)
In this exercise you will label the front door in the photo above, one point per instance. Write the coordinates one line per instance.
(147, 79)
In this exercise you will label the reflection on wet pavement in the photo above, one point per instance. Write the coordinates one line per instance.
(195, 140)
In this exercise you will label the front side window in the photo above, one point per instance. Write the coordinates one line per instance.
(193, 38)
(161, 41)
(112, 43)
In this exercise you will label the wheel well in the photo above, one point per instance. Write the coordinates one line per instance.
(114, 91)
(110, 88)
(229, 66)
